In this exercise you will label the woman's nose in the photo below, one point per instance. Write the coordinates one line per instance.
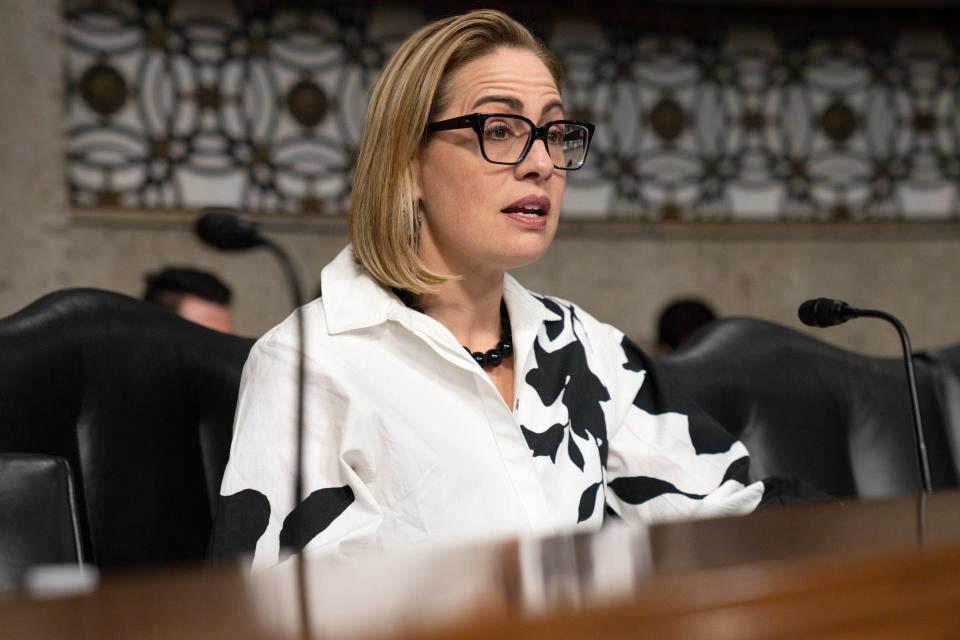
(537, 163)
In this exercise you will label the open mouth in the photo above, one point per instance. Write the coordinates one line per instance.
(532, 206)
(527, 211)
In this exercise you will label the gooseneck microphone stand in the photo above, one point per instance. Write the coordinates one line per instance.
(225, 230)
(293, 279)
(825, 312)
(922, 460)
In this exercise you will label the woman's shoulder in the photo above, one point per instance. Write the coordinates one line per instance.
(285, 336)
(562, 310)
(569, 327)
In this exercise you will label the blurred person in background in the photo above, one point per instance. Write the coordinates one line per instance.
(198, 296)
(679, 320)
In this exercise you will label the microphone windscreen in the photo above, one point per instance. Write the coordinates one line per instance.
(807, 314)
(824, 312)
(227, 231)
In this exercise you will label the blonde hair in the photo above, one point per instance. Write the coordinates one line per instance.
(411, 90)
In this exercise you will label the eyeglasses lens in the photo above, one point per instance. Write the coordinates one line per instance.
(568, 145)
(504, 140)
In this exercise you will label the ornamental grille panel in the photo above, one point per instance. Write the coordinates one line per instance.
(260, 107)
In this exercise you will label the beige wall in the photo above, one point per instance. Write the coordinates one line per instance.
(621, 274)
(767, 272)
(33, 211)
(115, 256)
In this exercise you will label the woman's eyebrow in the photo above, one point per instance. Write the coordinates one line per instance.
(515, 104)
(556, 104)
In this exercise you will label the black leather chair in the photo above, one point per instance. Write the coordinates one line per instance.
(805, 409)
(139, 402)
(39, 521)
(945, 363)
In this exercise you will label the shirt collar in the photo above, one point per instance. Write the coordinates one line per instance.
(527, 312)
(352, 300)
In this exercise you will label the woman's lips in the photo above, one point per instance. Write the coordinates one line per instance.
(528, 221)
(529, 212)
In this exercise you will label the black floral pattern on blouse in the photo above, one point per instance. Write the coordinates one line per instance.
(565, 371)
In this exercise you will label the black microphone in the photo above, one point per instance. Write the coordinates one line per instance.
(824, 312)
(224, 229)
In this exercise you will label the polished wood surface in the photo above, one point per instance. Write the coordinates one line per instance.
(831, 570)
(847, 529)
(899, 595)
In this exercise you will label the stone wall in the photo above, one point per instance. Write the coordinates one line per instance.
(33, 209)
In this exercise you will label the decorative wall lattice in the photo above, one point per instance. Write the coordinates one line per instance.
(259, 107)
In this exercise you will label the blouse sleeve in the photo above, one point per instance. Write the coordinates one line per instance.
(668, 459)
(256, 510)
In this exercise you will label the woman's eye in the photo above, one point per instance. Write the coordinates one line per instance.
(498, 132)
(554, 137)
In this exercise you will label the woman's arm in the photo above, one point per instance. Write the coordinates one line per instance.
(257, 511)
(668, 458)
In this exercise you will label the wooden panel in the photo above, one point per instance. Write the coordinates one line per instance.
(826, 571)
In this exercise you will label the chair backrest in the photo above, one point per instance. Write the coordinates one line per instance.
(140, 403)
(39, 521)
(945, 363)
(807, 409)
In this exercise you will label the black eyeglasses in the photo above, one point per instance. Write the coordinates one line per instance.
(507, 138)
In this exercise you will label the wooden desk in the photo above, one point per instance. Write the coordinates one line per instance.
(810, 571)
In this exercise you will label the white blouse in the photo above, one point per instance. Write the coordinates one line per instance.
(408, 441)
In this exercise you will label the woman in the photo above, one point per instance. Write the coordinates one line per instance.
(445, 401)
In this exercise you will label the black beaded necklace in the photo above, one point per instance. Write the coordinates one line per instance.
(491, 358)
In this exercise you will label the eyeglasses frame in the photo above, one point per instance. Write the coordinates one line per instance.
(476, 121)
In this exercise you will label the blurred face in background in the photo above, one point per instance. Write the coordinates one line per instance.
(206, 312)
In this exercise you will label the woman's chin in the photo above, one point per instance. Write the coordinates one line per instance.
(508, 252)
(523, 255)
